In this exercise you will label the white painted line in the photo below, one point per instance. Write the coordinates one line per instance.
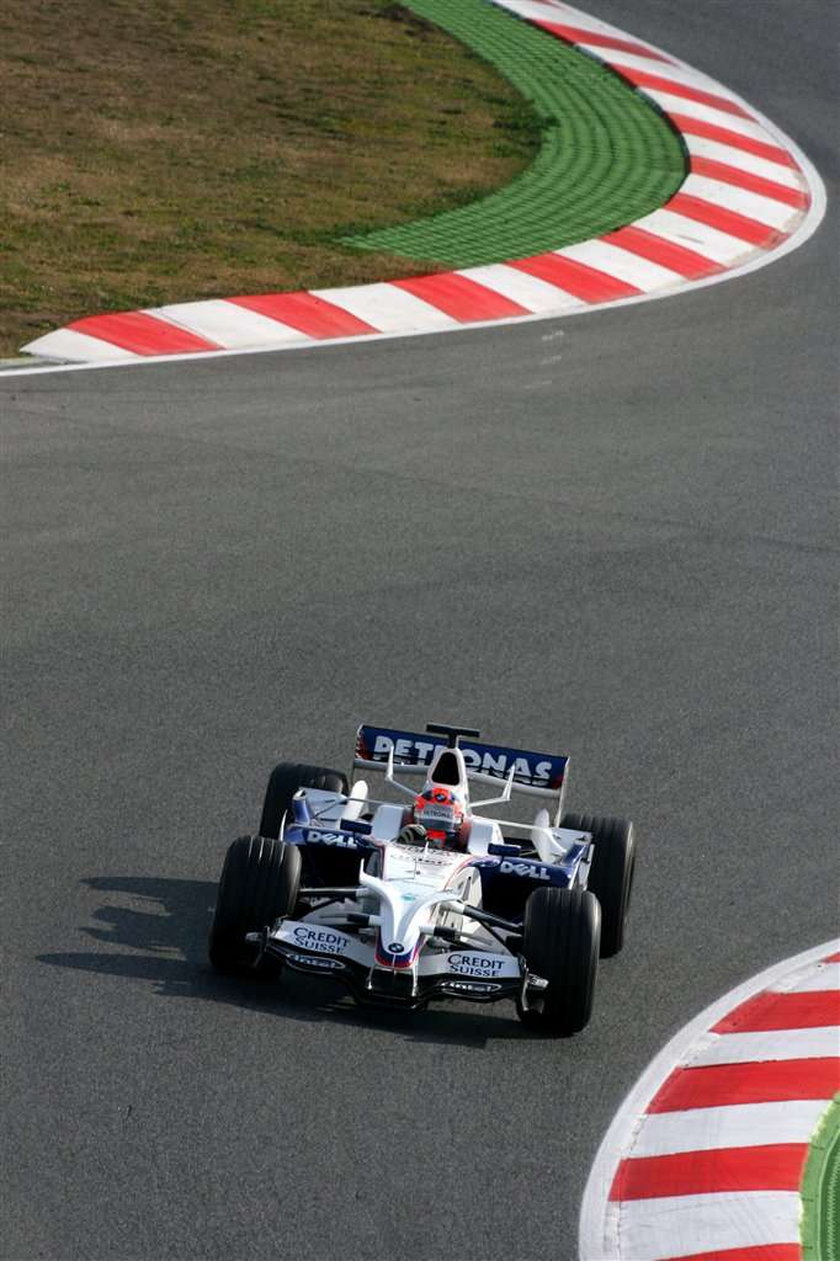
(228, 325)
(774, 214)
(529, 291)
(599, 1216)
(739, 1125)
(631, 268)
(700, 147)
(706, 240)
(678, 1226)
(388, 308)
(792, 1044)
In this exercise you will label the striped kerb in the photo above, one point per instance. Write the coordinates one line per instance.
(314, 316)
(810, 1010)
(728, 221)
(755, 183)
(142, 333)
(762, 1082)
(644, 79)
(464, 299)
(597, 39)
(587, 283)
(774, 1167)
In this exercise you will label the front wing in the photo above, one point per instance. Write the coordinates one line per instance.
(312, 947)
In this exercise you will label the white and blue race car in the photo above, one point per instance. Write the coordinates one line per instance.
(406, 901)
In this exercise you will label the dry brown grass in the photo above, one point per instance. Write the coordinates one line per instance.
(183, 149)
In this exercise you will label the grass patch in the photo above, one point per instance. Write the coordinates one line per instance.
(170, 150)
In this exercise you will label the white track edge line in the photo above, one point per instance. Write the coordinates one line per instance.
(616, 1139)
(802, 233)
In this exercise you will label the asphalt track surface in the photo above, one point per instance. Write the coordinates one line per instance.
(612, 535)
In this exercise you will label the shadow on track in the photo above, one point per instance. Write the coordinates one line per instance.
(167, 925)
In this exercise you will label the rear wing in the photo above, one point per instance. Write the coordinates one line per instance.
(538, 774)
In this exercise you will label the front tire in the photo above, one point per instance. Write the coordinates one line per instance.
(611, 873)
(259, 883)
(561, 935)
(283, 783)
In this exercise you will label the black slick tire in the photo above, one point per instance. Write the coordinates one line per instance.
(611, 873)
(561, 933)
(283, 783)
(259, 883)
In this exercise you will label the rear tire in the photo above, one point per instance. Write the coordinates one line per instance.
(611, 873)
(259, 883)
(283, 783)
(561, 934)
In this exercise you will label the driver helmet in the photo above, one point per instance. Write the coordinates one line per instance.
(442, 812)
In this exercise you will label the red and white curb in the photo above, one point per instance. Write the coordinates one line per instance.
(751, 195)
(704, 1159)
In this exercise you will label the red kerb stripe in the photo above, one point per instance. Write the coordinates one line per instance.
(744, 179)
(648, 245)
(755, 1252)
(644, 79)
(307, 313)
(833, 958)
(588, 283)
(143, 334)
(717, 1085)
(729, 221)
(709, 131)
(599, 39)
(768, 1011)
(460, 297)
(776, 1167)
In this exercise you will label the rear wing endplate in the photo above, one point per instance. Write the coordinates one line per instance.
(538, 774)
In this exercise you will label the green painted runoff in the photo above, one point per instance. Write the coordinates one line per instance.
(821, 1190)
(607, 156)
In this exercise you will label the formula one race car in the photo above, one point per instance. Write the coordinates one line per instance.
(408, 901)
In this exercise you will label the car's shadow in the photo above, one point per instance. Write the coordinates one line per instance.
(160, 927)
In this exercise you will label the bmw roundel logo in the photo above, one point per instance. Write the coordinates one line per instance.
(396, 948)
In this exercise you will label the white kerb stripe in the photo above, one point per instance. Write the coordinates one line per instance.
(737, 1125)
(789, 1044)
(679, 73)
(229, 325)
(571, 16)
(700, 147)
(387, 308)
(826, 977)
(66, 343)
(612, 55)
(558, 13)
(536, 295)
(774, 214)
(707, 114)
(719, 246)
(622, 264)
(531, 9)
(676, 1226)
